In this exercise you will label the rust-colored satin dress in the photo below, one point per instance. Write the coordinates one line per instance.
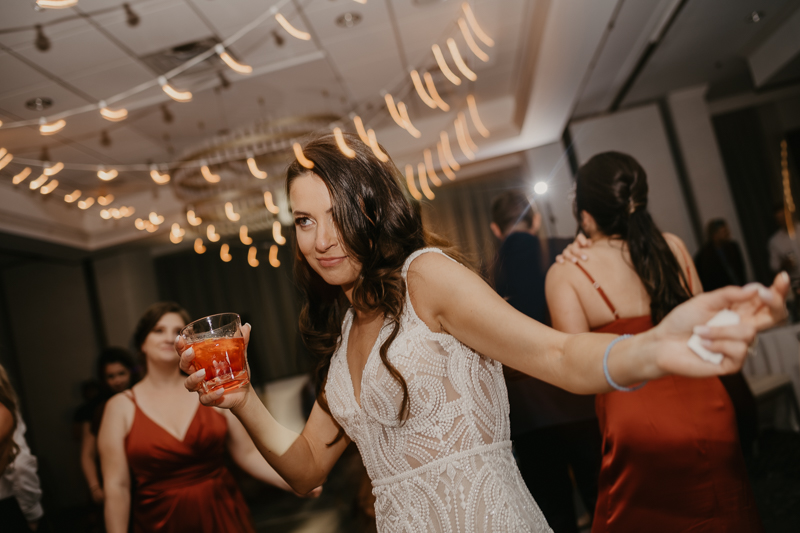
(181, 486)
(672, 461)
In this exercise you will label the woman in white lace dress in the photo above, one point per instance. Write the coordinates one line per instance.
(411, 344)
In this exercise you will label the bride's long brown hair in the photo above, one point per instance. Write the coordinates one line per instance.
(378, 227)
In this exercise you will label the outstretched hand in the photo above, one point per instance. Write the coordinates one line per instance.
(194, 383)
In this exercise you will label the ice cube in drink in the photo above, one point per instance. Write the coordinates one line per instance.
(224, 362)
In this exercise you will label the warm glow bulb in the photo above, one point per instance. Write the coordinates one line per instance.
(211, 233)
(243, 236)
(291, 30)
(86, 204)
(401, 108)
(116, 213)
(114, 115)
(175, 239)
(445, 138)
(155, 218)
(476, 119)
(362, 133)
(346, 150)
(376, 149)
(473, 23)
(19, 178)
(104, 214)
(393, 110)
(223, 253)
(5, 160)
(437, 53)
(254, 170)
(424, 96)
(480, 54)
(107, 175)
(192, 219)
(232, 63)
(276, 233)
(273, 256)
(53, 170)
(56, 4)
(177, 230)
(232, 215)
(412, 187)
(465, 129)
(71, 197)
(198, 246)
(38, 182)
(423, 182)
(270, 205)
(150, 227)
(462, 139)
(429, 167)
(139, 223)
(443, 163)
(52, 128)
(301, 158)
(462, 66)
(178, 96)
(50, 187)
(105, 200)
(251, 256)
(159, 178)
(208, 175)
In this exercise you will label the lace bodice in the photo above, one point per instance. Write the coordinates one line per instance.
(449, 468)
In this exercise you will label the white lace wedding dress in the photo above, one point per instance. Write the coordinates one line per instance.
(449, 468)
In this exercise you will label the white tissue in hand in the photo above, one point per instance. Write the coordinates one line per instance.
(726, 317)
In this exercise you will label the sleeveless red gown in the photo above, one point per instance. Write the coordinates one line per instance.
(180, 486)
(672, 461)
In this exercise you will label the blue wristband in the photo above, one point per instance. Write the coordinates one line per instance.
(605, 367)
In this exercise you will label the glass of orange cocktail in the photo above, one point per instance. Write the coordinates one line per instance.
(219, 348)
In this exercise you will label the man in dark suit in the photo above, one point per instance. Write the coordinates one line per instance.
(719, 262)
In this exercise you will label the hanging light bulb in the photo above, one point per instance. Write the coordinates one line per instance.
(443, 163)
(270, 205)
(150, 227)
(105, 200)
(437, 53)
(192, 219)
(211, 233)
(476, 29)
(19, 178)
(465, 129)
(346, 150)
(50, 187)
(424, 96)
(476, 119)
(131, 18)
(211, 178)
(111, 114)
(291, 30)
(376, 148)
(52, 128)
(251, 256)
(276, 233)
(441, 104)
(56, 4)
(412, 187)
(301, 158)
(139, 223)
(198, 246)
(273, 256)
(155, 218)
(243, 236)
(86, 204)
(38, 182)
(107, 175)
(362, 133)
(223, 253)
(480, 54)
(116, 213)
(53, 170)
(445, 138)
(178, 96)
(393, 110)
(426, 155)
(462, 66)
(6, 159)
(166, 115)
(230, 213)
(423, 182)
(254, 170)
(361, 1)
(42, 42)
(126, 211)
(71, 197)
(159, 178)
(232, 63)
(104, 214)
(401, 108)
(462, 140)
(176, 233)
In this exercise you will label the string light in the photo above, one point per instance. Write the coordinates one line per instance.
(376, 149)
(105, 215)
(176, 233)
(139, 223)
(362, 133)
(273, 256)
(19, 178)
(86, 204)
(465, 129)
(198, 246)
(105, 200)
(471, 44)
(412, 187)
(254, 170)
(223, 253)
(56, 4)
(71, 197)
(476, 119)
(443, 163)
(53, 170)
(150, 227)
(437, 53)
(448, 154)
(107, 175)
(112, 115)
(127, 211)
(207, 174)
(52, 128)
(340, 142)
(211, 233)
(155, 218)
(6, 159)
(232, 215)
(38, 182)
(251, 256)
(3, 152)
(462, 140)
(232, 63)
(393, 110)
(192, 219)
(401, 108)
(271, 207)
(301, 158)
(291, 30)
(462, 66)
(423, 182)
(473, 23)
(424, 96)
(429, 167)
(178, 96)
(50, 187)
(158, 177)
(276, 233)
(361, 1)
(243, 235)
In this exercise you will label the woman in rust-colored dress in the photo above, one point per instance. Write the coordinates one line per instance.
(162, 454)
(671, 454)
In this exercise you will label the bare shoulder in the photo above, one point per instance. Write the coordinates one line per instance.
(119, 406)
(677, 246)
(561, 274)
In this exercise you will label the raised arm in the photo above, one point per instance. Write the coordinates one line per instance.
(117, 419)
(89, 462)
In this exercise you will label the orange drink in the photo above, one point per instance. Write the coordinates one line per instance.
(219, 349)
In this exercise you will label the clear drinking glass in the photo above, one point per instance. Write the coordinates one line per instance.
(219, 348)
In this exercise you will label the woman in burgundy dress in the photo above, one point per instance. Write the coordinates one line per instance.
(162, 454)
(671, 454)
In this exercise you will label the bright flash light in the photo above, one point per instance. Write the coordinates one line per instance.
(540, 187)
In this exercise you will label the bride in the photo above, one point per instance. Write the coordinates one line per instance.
(411, 343)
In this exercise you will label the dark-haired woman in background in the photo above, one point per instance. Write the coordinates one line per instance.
(162, 455)
(671, 455)
(411, 345)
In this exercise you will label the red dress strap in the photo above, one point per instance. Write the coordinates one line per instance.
(600, 291)
(131, 396)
